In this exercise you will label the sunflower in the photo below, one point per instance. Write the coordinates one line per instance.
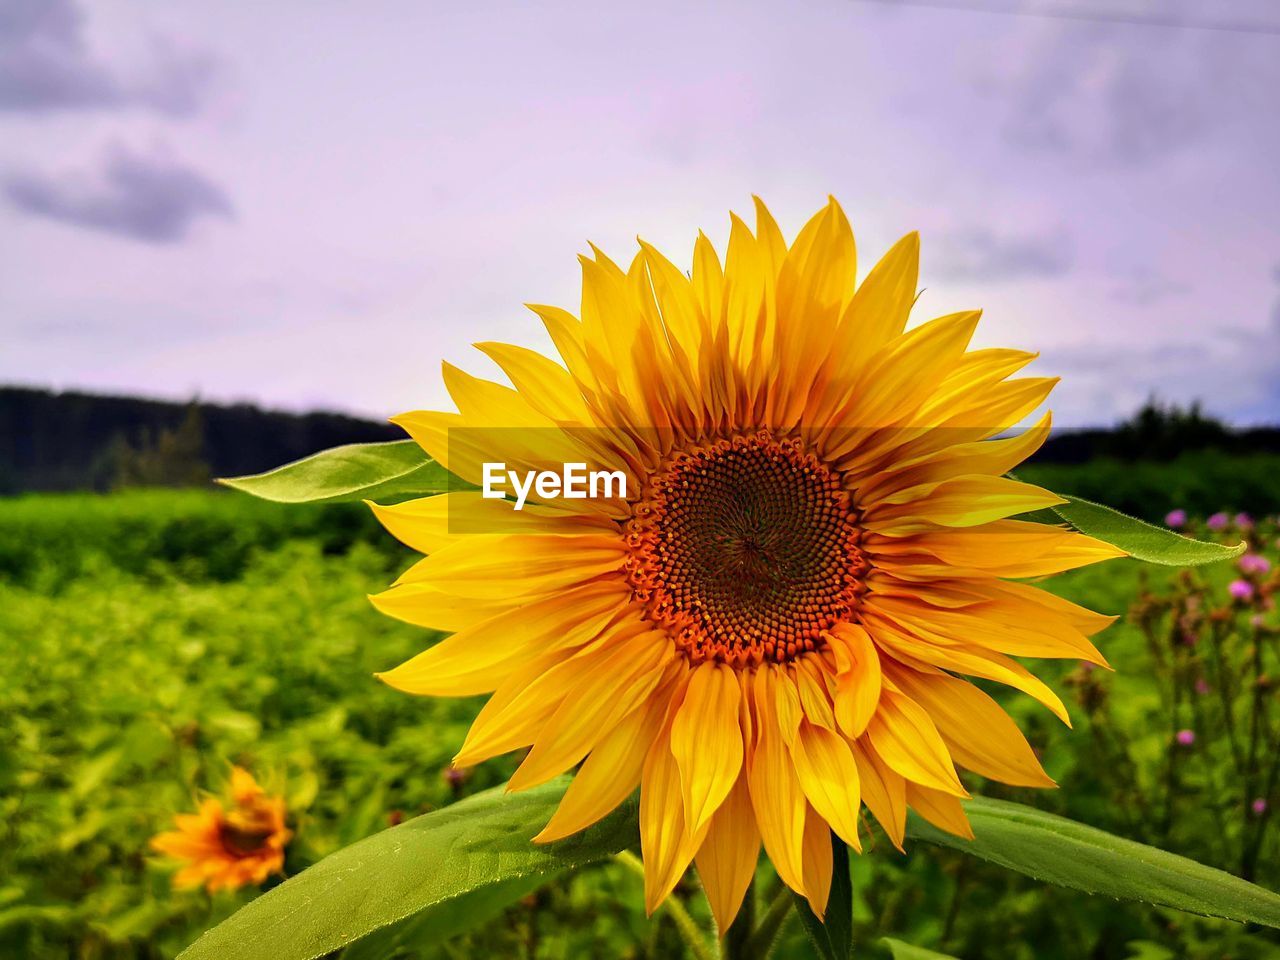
(225, 849)
(816, 546)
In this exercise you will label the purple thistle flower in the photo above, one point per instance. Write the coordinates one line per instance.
(1244, 521)
(1259, 806)
(1176, 519)
(1254, 563)
(1186, 737)
(1240, 589)
(1202, 686)
(1217, 522)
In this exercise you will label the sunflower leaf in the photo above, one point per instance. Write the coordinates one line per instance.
(471, 854)
(1141, 540)
(900, 950)
(357, 471)
(1069, 854)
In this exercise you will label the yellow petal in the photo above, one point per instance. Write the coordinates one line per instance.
(1005, 548)
(828, 775)
(879, 309)
(772, 243)
(811, 685)
(485, 404)
(476, 659)
(858, 680)
(665, 843)
(942, 810)
(708, 281)
(526, 699)
(989, 625)
(817, 862)
(607, 689)
(787, 703)
(960, 502)
(776, 796)
(565, 331)
(425, 606)
(707, 741)
(989, 665)
(502, 566)
(545, 385)
(979, 735)
(727, 858)
(608, 775)
(985, 457)
(883, 791)
(906, 738)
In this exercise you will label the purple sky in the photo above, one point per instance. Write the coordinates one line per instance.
(313, 203)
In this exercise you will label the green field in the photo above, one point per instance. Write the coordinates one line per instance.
(152, 639)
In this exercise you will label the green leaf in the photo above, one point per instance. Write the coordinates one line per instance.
(833, 935)
(357, 471)
(465, 849)
(906, 951)
(443, 921)
(1140, 539)
(1069, 854)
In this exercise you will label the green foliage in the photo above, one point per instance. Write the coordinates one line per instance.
(358, 471)
(1199, 482)
(49, 540)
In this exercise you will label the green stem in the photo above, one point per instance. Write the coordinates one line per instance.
(761, 942)
(694, 936)
(738, 937)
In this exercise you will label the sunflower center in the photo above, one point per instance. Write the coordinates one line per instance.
(244, 834)
(745, 550)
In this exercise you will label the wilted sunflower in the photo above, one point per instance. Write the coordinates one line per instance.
(225, 849)
(769, 629)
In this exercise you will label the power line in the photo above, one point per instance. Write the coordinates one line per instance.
(1090, 16)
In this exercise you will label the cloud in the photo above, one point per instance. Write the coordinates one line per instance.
(1134, 94)
(1143, 286)
(1234, 371)
(153, 199)
(982, 254)
(46, 65)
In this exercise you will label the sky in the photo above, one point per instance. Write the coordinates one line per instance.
(312, 204)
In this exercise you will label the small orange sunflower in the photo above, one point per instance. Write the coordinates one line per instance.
(228, 849)
(815, 546)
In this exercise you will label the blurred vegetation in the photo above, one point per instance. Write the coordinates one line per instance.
(195, 535)
(167, 457)
(1200, 482)
(152, 638)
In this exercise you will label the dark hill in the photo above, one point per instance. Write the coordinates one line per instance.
(77, 441)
